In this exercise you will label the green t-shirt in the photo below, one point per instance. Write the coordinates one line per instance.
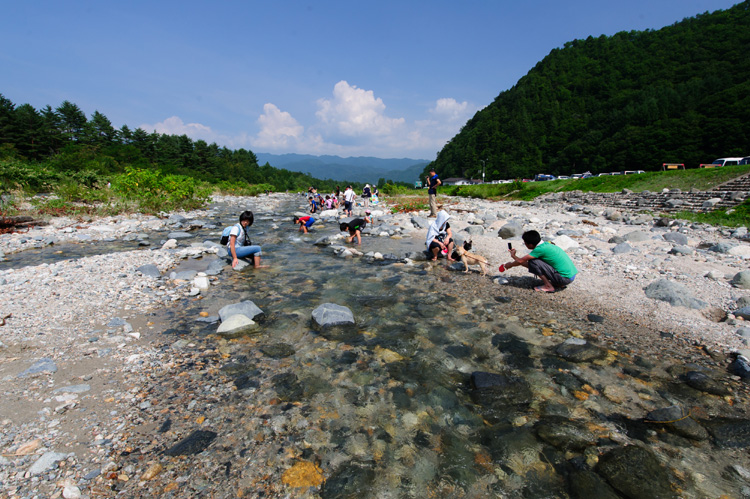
(556, 257)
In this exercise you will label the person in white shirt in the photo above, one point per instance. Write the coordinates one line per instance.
(348, 200)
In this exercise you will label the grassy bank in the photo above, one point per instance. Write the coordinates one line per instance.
(38, 191)
(701, 179)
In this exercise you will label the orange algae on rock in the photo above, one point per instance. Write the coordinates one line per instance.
(303, 474)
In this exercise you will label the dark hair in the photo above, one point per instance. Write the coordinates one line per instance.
(247, 215)
(531, 237)
(296, 219)
(343, 227)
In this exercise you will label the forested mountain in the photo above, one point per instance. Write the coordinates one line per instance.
(631, 101)
(358, 169)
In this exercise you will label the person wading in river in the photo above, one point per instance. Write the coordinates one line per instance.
(239, 244)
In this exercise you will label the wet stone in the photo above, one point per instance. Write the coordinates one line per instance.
(516, 350)
(352, 480)
(677, 420)
(277, 351)
(577, 350)
(497, 393)
(586, 484)
(458, 351)
(705, 383)
(287, 387)
(565, 434)
(730, 433)
(194, 443)
(636, 473)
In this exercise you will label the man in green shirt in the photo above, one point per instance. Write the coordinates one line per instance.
(546, 261)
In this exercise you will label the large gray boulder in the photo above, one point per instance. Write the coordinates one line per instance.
(510, 230)
(676, 238)
(420, 222)
(673, 293)
(330, 314)
(741, 279)
(637, 236)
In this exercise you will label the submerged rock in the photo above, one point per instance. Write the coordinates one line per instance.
(194, 443)
(499, 392)
(565, 434)
(636, 473)
(677, 420)
(704, 383)
(578, 350)
(730, 433)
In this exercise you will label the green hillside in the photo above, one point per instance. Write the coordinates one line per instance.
(631, 101)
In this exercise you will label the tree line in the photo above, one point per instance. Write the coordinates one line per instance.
(630, 101)
(64, 139)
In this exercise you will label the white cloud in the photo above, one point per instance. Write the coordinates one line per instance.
(355, 113)
(352, 122)
(175, 126)
(451, 110)
(278, 129)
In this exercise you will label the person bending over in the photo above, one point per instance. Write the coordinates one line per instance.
(304, 223)
(354, 227)
(239, 244)
(546, 261)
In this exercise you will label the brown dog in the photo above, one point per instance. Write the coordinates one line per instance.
(471, 259)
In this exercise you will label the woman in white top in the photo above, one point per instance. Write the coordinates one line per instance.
(239, 244)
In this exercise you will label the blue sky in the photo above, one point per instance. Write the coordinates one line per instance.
(389, 79)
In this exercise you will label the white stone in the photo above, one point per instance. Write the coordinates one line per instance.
(201, 282)
(234, 323)
(170, 244)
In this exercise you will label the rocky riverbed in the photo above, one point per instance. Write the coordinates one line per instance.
(102, 398)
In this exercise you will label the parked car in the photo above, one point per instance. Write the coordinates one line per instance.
(541, 177)
(726, 161)
(562, 177)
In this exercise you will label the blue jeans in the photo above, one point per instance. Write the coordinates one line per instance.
(246, 251)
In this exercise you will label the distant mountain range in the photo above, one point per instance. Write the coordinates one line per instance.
(359, 169)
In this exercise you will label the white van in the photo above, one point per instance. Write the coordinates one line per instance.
(726, 161)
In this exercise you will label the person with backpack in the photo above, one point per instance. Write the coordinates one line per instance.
(239, 244)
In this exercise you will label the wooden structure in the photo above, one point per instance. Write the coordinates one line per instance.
(672, 166)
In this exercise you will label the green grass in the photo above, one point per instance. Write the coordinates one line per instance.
(732, 217)
(702, 179)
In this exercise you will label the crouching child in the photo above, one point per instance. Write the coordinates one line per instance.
(304, 223)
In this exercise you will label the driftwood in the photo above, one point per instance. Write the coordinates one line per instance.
(16, 224)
